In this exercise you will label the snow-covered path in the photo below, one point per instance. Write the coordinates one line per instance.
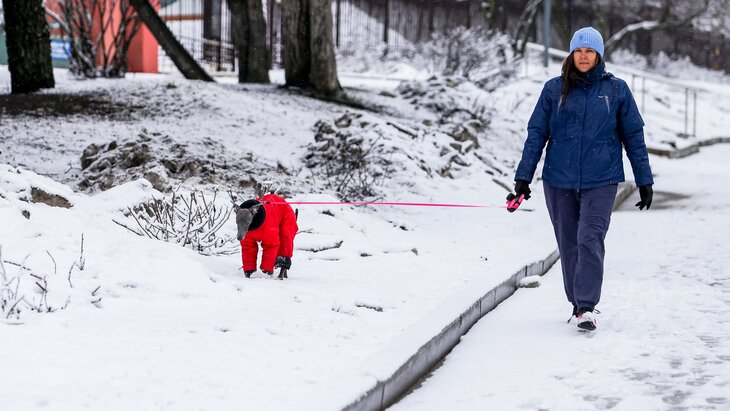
(663, 340)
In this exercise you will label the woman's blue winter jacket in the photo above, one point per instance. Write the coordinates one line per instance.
(585, 133)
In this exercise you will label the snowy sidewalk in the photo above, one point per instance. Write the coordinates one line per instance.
(663, 340)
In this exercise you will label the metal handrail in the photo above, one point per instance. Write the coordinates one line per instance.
(688, 89)
(624, 69)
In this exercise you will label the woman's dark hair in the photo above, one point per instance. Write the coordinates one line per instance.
(570, 71)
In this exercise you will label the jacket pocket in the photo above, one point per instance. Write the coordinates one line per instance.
(607, 100)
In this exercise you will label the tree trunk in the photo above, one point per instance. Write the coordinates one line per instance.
(309, 53)
(212, 28)
(259, 70)
(493, 14)
(249, 34)
(561, 24)
(29, 46)
(323, 71)
(239, 32)
(177, 53)
(295, 33)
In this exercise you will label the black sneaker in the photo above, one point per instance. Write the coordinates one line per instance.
(587, 320)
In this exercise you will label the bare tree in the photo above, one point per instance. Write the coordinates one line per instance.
(521, 30)
(249, 35)
(670, 14)
(309, 54)
(99, 34)
(29, 46)
(717, 17)
(177, 53)
(618, 20)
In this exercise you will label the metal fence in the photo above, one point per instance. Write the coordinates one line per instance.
(204, 26)
(204, 29)
(399, 22)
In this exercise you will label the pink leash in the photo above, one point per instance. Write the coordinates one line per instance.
(387, 203)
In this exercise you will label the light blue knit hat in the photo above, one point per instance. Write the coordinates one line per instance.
(587, 37)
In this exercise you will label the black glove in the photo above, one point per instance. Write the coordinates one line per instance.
(248, 273)
(522, 187)
(283, 262)
(646, 193)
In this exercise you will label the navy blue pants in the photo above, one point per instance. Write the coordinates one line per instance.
(580, 219)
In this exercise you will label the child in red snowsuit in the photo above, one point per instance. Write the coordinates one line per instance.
(274, 226)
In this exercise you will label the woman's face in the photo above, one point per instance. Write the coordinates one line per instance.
(584, 58)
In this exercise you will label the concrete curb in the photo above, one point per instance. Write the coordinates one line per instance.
(387, 392)
(689, 150)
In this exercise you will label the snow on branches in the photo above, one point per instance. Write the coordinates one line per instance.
(190, 219)
(34, 287)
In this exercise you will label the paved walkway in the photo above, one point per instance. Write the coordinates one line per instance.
(663, 341)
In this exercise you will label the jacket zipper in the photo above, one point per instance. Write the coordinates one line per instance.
(580, 140)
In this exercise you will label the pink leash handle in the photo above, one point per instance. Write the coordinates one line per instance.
(513, 202)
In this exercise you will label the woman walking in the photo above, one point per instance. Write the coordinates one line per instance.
(584, 116)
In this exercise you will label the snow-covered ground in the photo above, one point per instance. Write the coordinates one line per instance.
(663, 338)
(178, 330)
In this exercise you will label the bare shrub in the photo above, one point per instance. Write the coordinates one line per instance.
(192, 220)
(483, 56)
(99, 33)
(29, 289)
(261, 188)
(351, 157)
(463, 119)
(9, 295)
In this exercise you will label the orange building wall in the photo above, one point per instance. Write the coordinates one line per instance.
(142, 55)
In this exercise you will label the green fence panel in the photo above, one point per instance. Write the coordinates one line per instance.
(58, 56)
(3, 50)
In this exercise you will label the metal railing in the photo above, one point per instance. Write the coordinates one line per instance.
(203, 27)
(216, 55)
(357, 23)
(688, 113)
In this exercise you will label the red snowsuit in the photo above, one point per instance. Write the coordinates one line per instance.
(276, 235)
